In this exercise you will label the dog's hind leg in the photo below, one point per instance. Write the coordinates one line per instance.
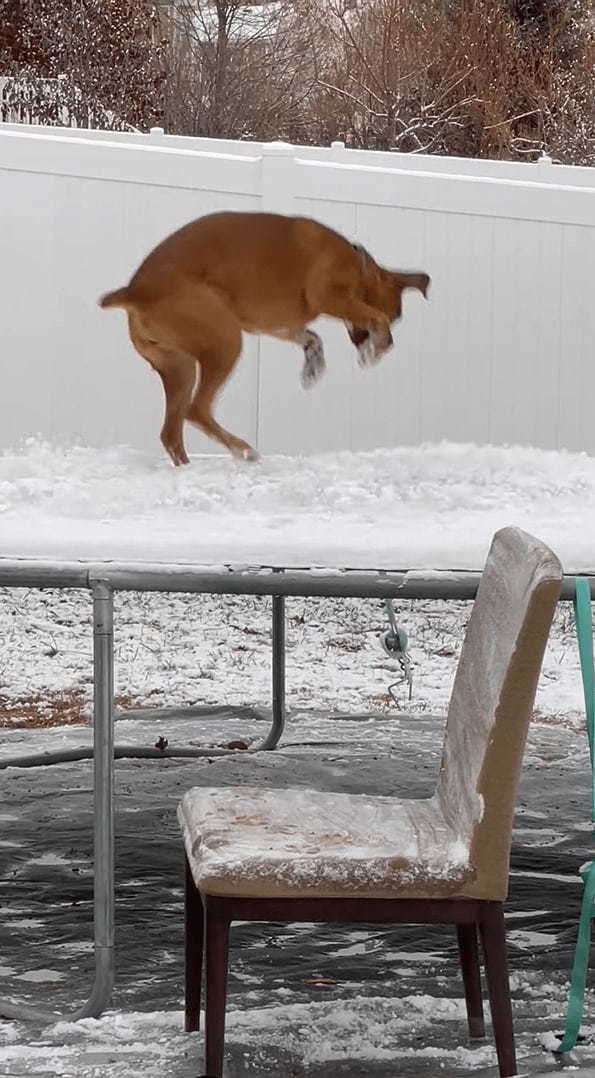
(178, 376)
(199, 325)
(216, 360)
(215, 370)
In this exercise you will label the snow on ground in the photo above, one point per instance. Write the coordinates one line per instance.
(365, 1031)
(434, 506)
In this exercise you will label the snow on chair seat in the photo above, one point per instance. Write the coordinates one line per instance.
(296, 842)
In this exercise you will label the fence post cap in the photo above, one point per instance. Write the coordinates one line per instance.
(277, 149)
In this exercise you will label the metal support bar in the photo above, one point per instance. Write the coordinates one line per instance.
(103, 744)
(459, 584)
(229, 580)
(278, 676)
(121, 752)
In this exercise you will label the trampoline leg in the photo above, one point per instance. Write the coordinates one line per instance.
(103, 740)
(580, 966)
(278, 675)
(103, 752)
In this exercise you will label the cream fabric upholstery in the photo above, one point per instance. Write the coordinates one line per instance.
(301, 843)
(304, 843)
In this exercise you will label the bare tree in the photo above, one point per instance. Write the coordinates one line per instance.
(491, 78)
(467, 77)
(84, 62)
(239, 70)
(393, 78)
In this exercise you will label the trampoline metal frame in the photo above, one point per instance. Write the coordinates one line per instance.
(102, 580)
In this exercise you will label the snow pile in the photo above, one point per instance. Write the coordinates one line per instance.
(408, 1032)
(434, 506)
(362, 1030)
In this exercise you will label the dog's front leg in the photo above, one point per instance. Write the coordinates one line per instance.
(376, 345)
(349, 308)
(356, 334)
(314, 361)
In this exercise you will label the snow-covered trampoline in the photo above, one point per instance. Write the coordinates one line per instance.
(415, 507)
(399, 524)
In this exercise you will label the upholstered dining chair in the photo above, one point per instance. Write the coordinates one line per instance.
(293, 855)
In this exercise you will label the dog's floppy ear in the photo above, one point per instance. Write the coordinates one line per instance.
(412, 280)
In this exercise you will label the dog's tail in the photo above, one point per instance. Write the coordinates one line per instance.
(119, 298)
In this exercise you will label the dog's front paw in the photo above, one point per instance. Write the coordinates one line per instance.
(314, 362)
(366, 352)
(311, 372)
(374, 348)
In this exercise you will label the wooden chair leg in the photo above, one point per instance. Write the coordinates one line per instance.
(493, 939)
(469, 955)
(217, 955)
(194, 949)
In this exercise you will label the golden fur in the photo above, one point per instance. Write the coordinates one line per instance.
(228, 273)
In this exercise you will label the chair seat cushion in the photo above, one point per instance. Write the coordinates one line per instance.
(304, 843)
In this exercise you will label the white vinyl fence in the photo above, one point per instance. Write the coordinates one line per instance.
(503, 352)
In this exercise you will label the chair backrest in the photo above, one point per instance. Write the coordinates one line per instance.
(492, 701)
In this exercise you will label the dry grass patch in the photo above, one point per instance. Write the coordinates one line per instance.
(71, 707)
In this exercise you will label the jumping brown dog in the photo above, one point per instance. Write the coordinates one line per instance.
(196, 292)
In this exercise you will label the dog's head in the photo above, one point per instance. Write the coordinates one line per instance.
(383, 289)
